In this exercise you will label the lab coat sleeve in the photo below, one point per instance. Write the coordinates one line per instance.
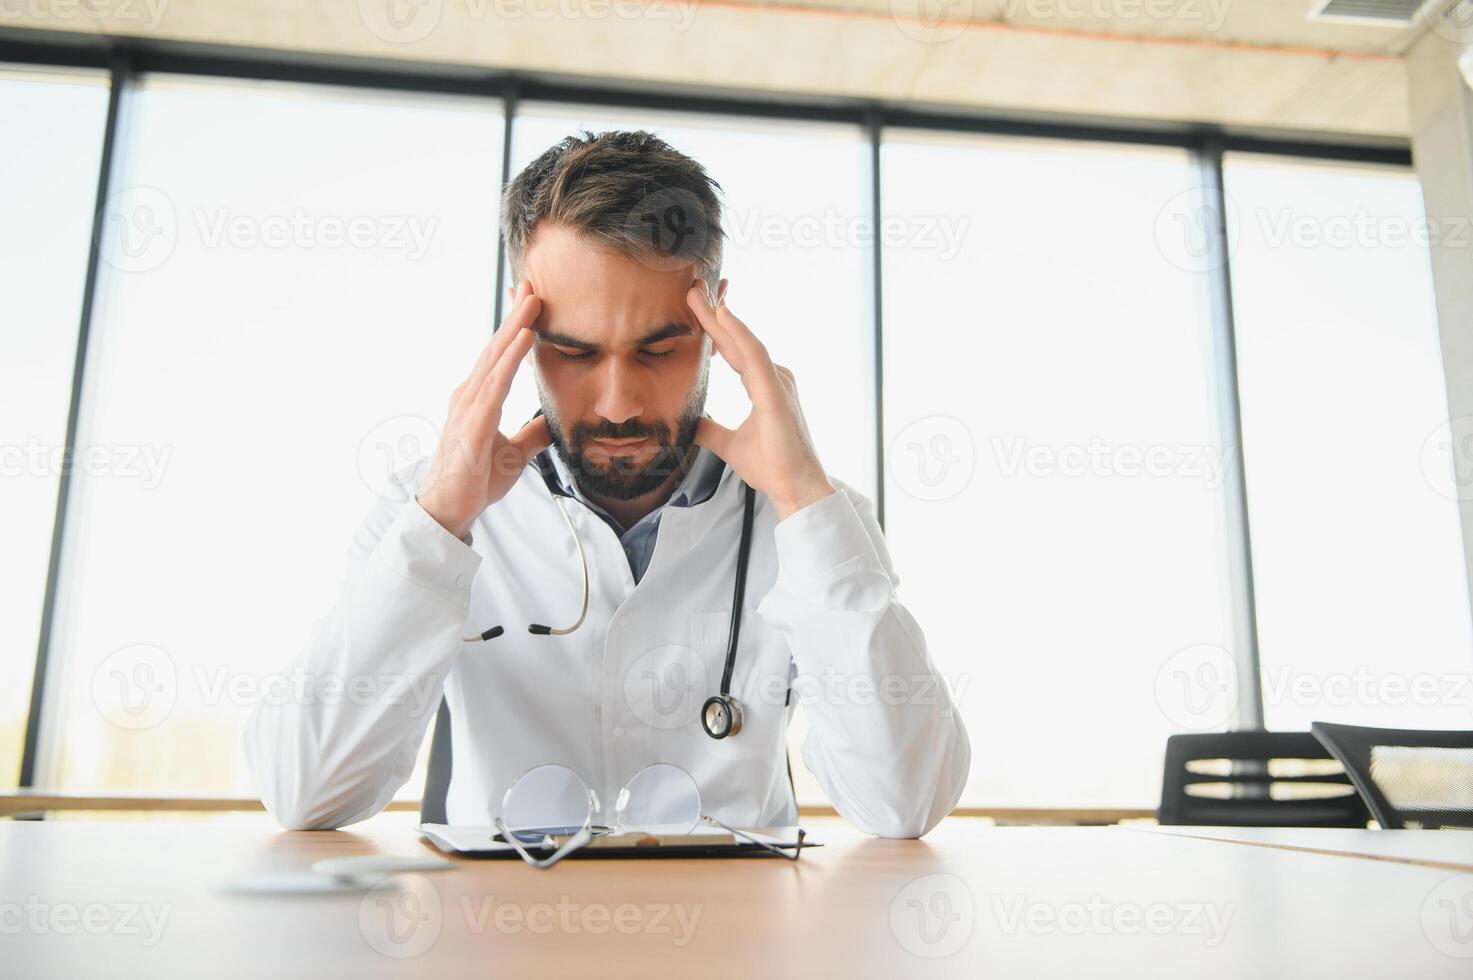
(345, 737)
(885, 739)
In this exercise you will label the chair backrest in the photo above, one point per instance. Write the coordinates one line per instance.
(1256, 779)
(437, 779)
(1412, 780)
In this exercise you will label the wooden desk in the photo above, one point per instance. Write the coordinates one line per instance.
(1446, 849)
(999, 902)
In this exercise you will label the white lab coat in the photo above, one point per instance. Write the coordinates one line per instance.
(626, 688)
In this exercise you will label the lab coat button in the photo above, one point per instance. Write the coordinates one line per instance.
(617, 733)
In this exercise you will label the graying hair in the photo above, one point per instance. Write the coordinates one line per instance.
(626, 190)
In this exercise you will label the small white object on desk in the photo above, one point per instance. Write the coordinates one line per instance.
(299, 883)
(380, 864)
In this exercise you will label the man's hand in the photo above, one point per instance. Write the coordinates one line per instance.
(474, 464)
(771, 450)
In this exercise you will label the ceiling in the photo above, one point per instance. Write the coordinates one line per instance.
(1257, 65)
(1264, 23)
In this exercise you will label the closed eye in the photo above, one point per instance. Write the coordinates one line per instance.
(577, 354)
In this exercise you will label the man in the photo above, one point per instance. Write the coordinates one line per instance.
(615, 246)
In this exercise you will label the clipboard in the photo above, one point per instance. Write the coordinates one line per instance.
(484, 842)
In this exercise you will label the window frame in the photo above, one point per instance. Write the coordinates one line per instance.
(125, 59)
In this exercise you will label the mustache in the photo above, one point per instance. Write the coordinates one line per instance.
(631, 429)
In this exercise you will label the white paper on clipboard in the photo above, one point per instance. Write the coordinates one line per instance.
(482, 839)
(465, 840)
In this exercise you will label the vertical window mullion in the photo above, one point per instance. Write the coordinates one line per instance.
(874, 124)
(1230, 424)
(509, 104)
(118, 83)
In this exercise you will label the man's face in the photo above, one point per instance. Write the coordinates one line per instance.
(619, 356)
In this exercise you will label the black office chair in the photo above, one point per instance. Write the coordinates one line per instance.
(1256, 779)
(1412, 780)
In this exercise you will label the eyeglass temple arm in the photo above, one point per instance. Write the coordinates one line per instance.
(569, 846)
(757, 840)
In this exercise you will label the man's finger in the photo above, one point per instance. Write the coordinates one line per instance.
(532, 438)
(525, 310)
(706, 316)
(713, 435)
(741, 334)
(498, 380)
(763, 379)
(488, 353)
(742, 350)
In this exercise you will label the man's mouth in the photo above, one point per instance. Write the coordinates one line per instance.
(619, 447)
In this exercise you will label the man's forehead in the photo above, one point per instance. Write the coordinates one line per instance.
(595, 315)
(603, 297)
(558, 254)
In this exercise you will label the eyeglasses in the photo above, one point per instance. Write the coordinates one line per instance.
(551, 801)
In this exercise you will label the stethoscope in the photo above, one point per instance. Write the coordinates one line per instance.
(721, 715)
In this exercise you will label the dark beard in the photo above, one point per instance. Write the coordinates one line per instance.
(624, 479)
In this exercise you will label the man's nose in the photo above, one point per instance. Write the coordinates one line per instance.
(619, 397)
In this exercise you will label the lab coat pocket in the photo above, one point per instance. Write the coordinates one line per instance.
(759, 680)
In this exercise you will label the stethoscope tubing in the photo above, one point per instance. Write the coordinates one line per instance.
(739, 591)
(739, 588)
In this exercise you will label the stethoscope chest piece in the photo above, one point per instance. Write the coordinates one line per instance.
(721, 716)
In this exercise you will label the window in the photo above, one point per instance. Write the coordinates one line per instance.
(53, 124)
(1361, 589)
(1054, 491)
(294, 279)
